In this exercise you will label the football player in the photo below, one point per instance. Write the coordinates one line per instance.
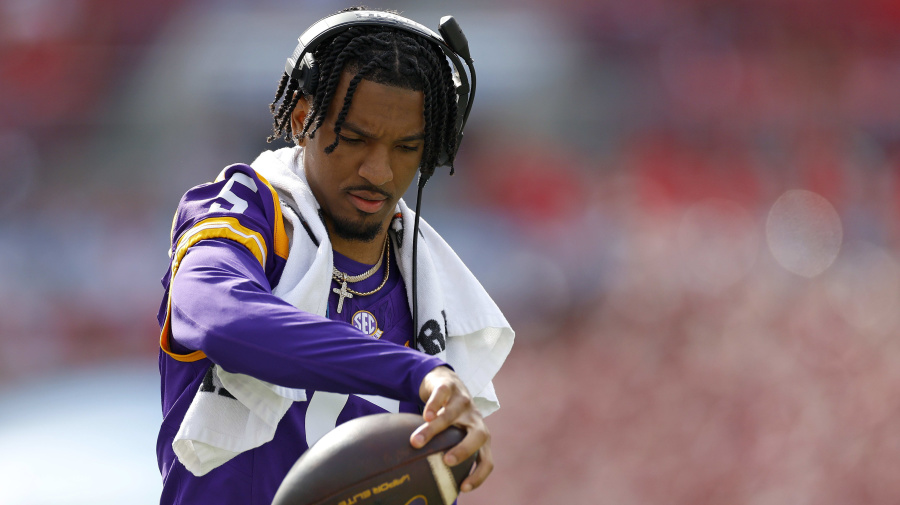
(382, 106)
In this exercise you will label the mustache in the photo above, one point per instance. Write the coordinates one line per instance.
(372, 189)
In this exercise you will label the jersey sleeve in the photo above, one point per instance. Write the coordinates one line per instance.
(221, 306)
(241, 207)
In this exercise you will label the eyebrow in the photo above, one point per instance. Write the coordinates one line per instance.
(363, 133)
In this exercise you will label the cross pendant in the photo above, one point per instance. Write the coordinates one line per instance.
(344, 293)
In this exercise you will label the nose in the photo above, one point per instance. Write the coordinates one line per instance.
(376, 166)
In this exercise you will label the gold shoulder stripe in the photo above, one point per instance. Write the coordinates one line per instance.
(220, 227)
(279, 235)
(282, 245)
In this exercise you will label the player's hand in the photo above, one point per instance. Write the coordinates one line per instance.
(449, 403)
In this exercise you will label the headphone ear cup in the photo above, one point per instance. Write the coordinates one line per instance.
(309, 74)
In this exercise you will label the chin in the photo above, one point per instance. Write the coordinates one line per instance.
(361, 230)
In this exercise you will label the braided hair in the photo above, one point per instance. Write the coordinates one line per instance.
(386, 56)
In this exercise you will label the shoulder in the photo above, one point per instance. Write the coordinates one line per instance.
(239, 205)
(237, 191)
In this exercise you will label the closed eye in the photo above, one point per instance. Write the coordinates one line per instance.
(350, 140)
(411, 149)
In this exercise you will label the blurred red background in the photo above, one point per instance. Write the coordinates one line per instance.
(688, 210)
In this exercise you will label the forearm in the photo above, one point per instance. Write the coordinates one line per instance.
(222, 306)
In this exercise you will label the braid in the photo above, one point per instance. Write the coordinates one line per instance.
(335, 60)
(429, 119)
(424, 74)
(289, 94)
(351, 90)
(286, 120)
(386, 56)
(281, 128)
(281, 84)
(443, 137)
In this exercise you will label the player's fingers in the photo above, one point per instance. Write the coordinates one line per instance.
(435, 414)
(476, 437)
(484, 466)
(458, 410)
(438, 399)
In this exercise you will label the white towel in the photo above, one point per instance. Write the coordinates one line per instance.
(461, 325)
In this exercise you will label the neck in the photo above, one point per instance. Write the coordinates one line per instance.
(363, 252)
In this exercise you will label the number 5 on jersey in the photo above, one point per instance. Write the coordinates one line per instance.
(238, 204)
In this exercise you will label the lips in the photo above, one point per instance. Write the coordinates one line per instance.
(366, 201)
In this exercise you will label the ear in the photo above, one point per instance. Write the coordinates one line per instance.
(298, 116)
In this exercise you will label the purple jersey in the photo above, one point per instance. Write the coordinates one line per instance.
(229, 248)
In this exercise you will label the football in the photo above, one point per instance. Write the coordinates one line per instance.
(369, 461)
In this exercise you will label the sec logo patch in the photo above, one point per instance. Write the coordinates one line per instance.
(418, 500)
(365, 322)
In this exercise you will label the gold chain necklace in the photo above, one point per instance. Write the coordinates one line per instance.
(343, 278)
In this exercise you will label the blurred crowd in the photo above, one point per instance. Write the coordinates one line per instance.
(688, 210)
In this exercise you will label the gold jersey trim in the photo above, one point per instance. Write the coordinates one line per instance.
(279, 236)
(214, 227)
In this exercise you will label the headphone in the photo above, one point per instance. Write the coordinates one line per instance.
(302, 66)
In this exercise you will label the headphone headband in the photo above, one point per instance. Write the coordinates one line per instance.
(332, 25)
(302, 66)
